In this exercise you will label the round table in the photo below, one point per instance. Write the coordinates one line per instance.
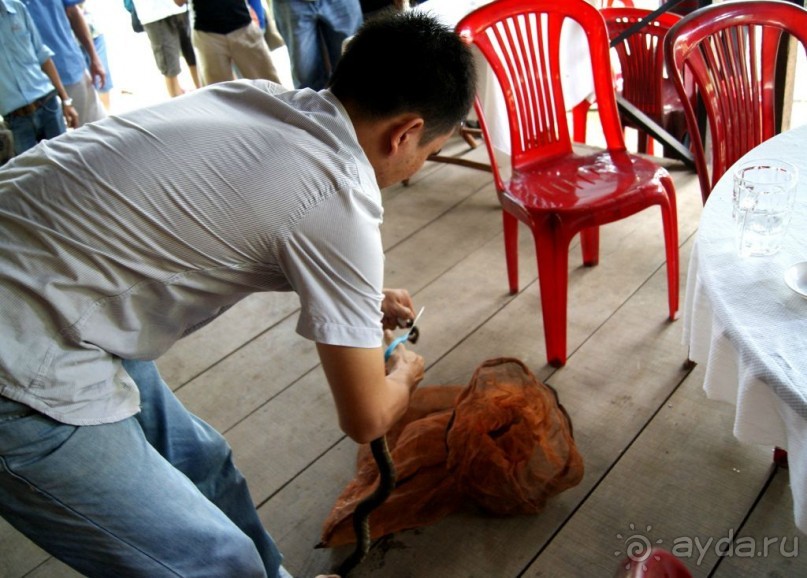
(748, 327)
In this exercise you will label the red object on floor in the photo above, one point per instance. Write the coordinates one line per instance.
(780, 457)
(657, 563)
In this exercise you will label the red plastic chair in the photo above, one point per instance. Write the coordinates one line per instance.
(644, 82)
(730, 50)
(554, 191)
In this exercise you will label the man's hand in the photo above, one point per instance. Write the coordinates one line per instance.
(70, 115)
(82, 33)
(403, 364)
(397, 306)
(97, 72)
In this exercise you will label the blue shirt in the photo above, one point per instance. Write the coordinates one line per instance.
(257, 7)
(51, 20)
(22, 54)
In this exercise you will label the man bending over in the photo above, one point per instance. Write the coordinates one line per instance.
(121, 237)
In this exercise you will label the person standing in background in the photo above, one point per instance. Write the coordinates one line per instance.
(314, 32)
(262, 15)
(29, 81)
(58, 21)
(99, 42)
(168, 28)
(257, 13)
(225, 36)
(271, 34)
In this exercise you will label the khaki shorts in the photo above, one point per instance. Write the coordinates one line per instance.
(169, 38)
(244, 48)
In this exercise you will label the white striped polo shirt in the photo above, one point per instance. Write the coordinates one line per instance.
(119, 238)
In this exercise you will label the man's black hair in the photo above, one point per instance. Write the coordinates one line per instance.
(407, 62)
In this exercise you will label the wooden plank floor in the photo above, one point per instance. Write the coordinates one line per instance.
(662, 465)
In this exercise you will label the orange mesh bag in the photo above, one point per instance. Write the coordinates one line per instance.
(503, 442)
(511, 446)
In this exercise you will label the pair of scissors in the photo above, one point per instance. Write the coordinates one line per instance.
(411, 335)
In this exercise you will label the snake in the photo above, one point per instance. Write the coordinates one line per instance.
(387, 477)
(361, 515)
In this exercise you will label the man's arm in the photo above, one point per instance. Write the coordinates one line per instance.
(82, 32)
(369, 402)
(70, 113)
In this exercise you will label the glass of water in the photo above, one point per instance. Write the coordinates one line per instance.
(762, 204)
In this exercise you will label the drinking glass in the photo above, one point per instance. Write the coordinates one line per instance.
(762, 204)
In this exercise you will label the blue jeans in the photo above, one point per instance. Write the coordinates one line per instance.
(46, 122)
(153, 495)
(314, 31)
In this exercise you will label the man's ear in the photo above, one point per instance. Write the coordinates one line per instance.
(407, 131)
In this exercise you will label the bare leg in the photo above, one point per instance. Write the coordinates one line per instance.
(105, 100)
(195, 76)
(172, 84)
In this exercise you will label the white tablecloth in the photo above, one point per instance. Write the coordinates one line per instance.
(750, 330)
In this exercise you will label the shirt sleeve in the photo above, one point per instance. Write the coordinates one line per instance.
(43, 53)
(334, 260)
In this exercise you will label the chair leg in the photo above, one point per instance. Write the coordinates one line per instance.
(669, 216)
(511, 250)
(644, 144)
(579, 118)
(552, 250)
(590, 244)
(780, 457)
(469, 134)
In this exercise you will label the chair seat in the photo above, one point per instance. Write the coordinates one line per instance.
(602, 182)
(563, 196)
